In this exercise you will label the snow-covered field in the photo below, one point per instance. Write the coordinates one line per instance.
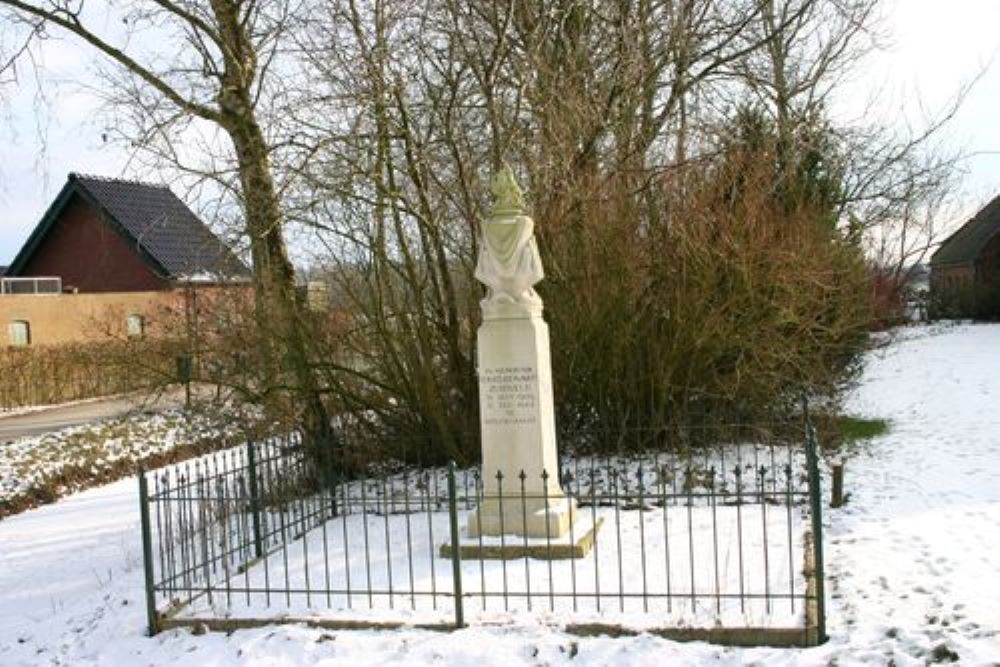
(912, 560)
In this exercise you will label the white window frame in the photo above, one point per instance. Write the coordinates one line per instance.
(135, 325)
(19, 333)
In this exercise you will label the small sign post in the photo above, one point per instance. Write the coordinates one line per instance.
(184, 375)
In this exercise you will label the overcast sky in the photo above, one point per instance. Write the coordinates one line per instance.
(934, 48)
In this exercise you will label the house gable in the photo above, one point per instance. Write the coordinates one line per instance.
(964, 247)
(110, 235)
(78, 243)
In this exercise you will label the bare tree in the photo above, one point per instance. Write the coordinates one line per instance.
(596, 104)
(810, 45)
(663, 142)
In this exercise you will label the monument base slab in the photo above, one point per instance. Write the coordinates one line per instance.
(526, 517)
(576, 543)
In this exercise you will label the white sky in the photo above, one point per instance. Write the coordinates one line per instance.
(935, 47)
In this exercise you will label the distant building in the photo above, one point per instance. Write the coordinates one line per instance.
(965, 269)
(109, 248)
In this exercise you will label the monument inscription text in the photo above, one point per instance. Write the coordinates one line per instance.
(509, 395)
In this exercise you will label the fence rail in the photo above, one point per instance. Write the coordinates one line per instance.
(697, 538)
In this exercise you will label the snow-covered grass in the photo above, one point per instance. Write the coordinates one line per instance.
(639, 558)
(38, 469)
(911, 559)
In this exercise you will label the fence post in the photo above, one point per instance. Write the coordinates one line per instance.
(837, 492)
(456, 547)
(258, 541)
(816, 509)
(152, 620)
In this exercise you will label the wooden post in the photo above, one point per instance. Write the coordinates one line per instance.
(837, 491)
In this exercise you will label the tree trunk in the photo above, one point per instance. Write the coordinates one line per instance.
(279, 312)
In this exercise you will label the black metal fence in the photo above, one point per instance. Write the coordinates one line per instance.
(726, 535)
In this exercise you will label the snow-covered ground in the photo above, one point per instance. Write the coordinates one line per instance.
(913, 564)
(706, 549)
(53, 464)
(655, 551)
(914, 557)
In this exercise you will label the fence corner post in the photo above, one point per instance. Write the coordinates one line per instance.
(816, 512)
(456, 547)
(152, 618)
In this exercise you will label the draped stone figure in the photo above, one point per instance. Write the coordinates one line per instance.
(508, 263)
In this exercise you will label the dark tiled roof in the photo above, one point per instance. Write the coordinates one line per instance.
(964, 246)
(3, 270)
(163, 226)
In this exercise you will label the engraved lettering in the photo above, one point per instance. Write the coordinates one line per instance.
(508, 395)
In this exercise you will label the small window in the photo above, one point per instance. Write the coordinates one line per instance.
(135, 326)
(19, 333)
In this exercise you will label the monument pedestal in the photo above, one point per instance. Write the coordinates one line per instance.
(521, 494)
(521, 490)
(576, 543)
(531, 518)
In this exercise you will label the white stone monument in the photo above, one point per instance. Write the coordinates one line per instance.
(515, 381)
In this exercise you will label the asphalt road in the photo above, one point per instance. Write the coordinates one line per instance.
(60, 417)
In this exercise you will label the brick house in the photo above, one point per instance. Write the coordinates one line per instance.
(107, 255)
(965, 269)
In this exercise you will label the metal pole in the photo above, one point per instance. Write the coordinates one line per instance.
(816, 507)
(456, 547)
(152, 621)
(258, 541)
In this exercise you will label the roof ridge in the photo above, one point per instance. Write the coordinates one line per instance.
(965, 243)
(75, 175)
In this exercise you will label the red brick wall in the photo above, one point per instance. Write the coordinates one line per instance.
(91, 256)
(952, 277)
(988, 264)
